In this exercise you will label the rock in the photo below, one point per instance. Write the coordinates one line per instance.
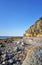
(34, 56)
(15, 49)
(0, 59)
(28, 51)
(22, 43)
(3, 63)
(10, 60)
(3, 57)
(17, 61)
(0, 53)
(35, 30)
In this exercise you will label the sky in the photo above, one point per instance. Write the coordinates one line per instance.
(16, 16)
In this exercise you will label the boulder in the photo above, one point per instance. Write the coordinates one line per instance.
(34, 55)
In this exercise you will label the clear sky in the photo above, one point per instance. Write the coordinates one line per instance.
(16, 16)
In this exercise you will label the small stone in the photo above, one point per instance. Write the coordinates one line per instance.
(10, 60)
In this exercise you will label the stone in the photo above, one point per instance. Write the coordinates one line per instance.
(34, 56)
(10, 60)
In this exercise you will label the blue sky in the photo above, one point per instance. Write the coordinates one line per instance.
(16, 16)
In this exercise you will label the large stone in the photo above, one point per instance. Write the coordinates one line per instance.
(34, 55)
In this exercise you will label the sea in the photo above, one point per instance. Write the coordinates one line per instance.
(4, 37)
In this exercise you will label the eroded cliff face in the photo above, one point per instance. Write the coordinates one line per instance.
(35, 30)
(34, 54)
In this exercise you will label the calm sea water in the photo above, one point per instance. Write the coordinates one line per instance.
(3, 37)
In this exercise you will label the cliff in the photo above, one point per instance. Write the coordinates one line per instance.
(35, 30)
